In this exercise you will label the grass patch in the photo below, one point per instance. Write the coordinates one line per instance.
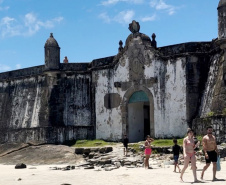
(135, 146)
(166, 142)
(92, 143)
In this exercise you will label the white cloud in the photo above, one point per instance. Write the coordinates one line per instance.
(135, 1)
(8, 27)
(161, 5)
(30, 25)
(113, 2)
(34, 25)
(4, 68)
(105, 17)
(123, 17)
(58, 19)
(148, 18)
(110, 2)
(18, 66)
(2, 8)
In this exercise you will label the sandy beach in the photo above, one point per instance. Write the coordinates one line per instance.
(44, 175)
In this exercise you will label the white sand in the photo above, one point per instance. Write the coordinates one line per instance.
(42, 175)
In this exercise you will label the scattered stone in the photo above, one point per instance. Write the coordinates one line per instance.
(99, 169)
(108, 169)
(89, 167)
(202, 158)
(102, 150)
(79, 150)
(140, 165)
(64, 168)
(86, 151)
(32, 168)
(130, 166)
(91, 155)
(117, 164)
(222, 149)
(108, 160)
(128, 163)
(20, 166)
(108, 149)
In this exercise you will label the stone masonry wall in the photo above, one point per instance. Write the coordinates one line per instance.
(51, 107)
(217, 122)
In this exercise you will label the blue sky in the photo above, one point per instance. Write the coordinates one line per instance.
(91, 29)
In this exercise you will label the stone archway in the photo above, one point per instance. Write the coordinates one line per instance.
(125, 113)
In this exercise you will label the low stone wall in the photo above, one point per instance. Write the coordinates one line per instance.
(89, 151)
(160, 150)
(217, 122)
(37, 70)
(55, 135)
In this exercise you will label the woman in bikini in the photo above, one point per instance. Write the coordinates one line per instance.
(147, 151)
(189, 154)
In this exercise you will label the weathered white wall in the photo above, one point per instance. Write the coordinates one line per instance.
(108, 121)
(170, 102)
(169, 97)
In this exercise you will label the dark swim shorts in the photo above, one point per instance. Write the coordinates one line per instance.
(212, 156)
(175, 157)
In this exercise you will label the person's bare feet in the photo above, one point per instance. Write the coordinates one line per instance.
(174, 170)
(181, 179)
(215, 179)
(201, 177)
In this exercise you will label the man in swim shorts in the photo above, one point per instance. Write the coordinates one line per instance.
(210, 150)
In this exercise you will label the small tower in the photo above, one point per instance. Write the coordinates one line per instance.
(52, 54)
(222, 32)
(222, 19)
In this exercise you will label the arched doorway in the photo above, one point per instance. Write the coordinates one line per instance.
(138, 114)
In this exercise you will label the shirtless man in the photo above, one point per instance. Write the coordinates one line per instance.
(210, 151)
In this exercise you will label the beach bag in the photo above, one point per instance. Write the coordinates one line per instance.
(218, 163)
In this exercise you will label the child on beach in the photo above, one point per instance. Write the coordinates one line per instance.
(176, 151)
(147, 151)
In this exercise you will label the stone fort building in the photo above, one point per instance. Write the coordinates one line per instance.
(143, 89)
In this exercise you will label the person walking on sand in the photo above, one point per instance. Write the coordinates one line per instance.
(147, 151)
(125, 144)
(189, 154)
(176, 151)
(210, 150)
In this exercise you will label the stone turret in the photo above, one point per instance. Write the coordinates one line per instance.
(222, 19)
(222, 32)
(219, 94)
(52, 54)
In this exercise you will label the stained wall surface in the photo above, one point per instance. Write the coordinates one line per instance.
(52, 107)
(141, 90)
(166, 79)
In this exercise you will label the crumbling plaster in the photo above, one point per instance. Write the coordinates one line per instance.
(208, 95)
(22, 98)
(169, 96)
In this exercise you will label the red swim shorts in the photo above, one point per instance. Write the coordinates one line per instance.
(147, 151)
